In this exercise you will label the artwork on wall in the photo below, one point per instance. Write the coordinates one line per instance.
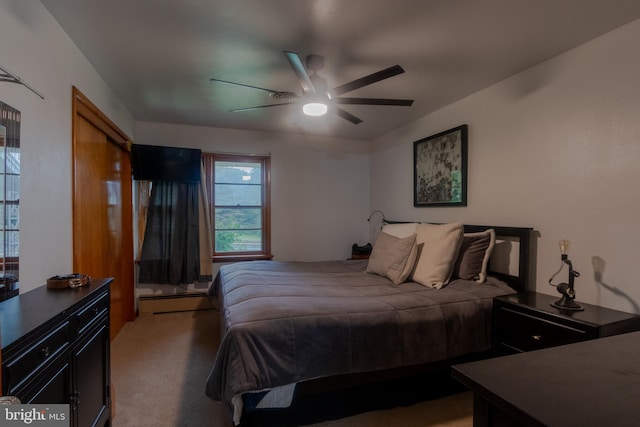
(440, 169)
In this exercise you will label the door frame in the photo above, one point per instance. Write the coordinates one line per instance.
(83, 107)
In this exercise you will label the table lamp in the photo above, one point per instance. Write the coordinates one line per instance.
(566, 289)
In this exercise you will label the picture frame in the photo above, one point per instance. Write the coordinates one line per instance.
(440, 169)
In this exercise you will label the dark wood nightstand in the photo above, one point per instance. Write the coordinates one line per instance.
(526, 321)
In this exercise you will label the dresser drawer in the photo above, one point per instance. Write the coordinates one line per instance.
(522, 332)
(21, 369)
(89, 315)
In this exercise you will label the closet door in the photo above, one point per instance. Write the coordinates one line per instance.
(102, 206)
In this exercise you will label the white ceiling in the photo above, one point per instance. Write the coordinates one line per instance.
(158, 56)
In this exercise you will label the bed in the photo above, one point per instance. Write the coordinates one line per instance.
(287, 324)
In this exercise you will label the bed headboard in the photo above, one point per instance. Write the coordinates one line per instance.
(511, 260)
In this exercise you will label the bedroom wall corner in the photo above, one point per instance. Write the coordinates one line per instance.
(319, 185)
(39, 52)
(554, 147)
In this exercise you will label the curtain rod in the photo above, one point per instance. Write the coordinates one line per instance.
(237, 154)
(8, 76)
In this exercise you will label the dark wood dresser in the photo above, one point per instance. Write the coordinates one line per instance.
(526, 321)
(56, 350)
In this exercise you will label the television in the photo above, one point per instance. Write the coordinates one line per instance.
(156, 163)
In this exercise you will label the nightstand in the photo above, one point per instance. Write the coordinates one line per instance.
(526, 321)
(361, 252)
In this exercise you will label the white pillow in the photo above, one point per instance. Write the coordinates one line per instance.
(400, 230)
(393, 257)
(438, 247)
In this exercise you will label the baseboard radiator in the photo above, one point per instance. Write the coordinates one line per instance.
(154, 304)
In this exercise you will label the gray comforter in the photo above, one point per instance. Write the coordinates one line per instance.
(285, 322)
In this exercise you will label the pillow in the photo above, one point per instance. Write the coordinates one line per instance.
(400, 230)
(393, 257)
(438, 247)
(474, 255)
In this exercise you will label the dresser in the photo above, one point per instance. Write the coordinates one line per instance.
(56, 350)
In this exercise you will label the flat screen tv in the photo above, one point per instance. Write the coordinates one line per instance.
(156, 163)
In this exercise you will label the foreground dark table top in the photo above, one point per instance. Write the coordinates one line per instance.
(592, 383)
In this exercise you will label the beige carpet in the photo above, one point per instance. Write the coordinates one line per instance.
(160, 363)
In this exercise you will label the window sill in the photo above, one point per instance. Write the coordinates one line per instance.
(247, 257)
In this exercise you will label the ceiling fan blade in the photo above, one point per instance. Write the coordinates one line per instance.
(367, 80)
(301, 72)
(260, 106)
(347, 116)
(243, 85)
(374, 101)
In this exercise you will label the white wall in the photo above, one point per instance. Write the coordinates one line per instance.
(319, 186)
(35, 48)
(556, 148)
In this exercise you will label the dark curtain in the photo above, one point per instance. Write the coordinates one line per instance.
(170, 251)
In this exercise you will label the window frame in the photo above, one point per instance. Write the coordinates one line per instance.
(209, 160)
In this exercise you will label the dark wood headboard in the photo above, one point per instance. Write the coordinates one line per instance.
(522, 235)
(519, 281)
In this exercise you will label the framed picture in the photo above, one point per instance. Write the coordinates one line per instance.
(440, 169)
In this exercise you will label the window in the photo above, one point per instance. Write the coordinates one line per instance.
(239, 189)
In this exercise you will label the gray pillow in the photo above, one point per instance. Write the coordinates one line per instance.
(393, 257)
(473, 258)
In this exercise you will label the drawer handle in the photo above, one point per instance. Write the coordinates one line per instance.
(96, 310)
(536, 337)
(45, 352)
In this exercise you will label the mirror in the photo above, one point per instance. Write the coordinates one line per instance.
(9, 201)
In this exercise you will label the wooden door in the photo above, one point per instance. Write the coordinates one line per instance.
(102, 206)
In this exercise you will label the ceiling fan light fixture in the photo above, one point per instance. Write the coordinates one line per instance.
(316, 98)
(315, 108)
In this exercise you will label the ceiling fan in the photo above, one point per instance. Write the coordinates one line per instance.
(317, 97)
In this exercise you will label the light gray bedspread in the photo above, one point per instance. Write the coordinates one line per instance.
(285, 322)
